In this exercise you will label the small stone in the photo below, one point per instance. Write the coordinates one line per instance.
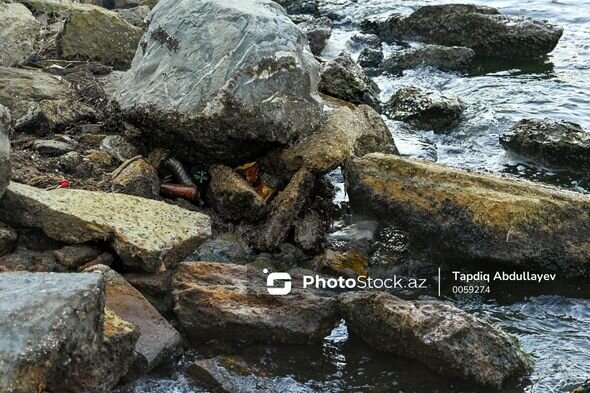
(52, 147)
(318, 32)
(119, 148)
(8, 237)
(445, 58)
(136, 177)
(310, 231)
(72, 257)
(370, 57)
(425, 109)
(344, 79)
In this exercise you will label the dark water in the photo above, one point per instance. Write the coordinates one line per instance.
(552, 322)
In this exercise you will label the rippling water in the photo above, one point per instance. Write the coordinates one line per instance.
(552, 323)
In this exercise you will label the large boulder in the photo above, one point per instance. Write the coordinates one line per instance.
(425, 109)
(221, 80)
(345, 132)
(467, 216)
(344, 79)
(146, 234)
(445, 58)
(158, 340)
(19, 31)
(441, 336)
(480, 28)
(53, 335)
(553, 143)
(5, 128)
(228, 301)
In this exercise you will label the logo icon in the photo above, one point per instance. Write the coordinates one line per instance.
(273, 278)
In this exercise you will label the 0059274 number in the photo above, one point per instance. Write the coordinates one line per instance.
(471, 289)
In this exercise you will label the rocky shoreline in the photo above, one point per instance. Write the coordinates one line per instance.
(159, 158)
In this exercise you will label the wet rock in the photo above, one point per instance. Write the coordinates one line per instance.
(425, 109)
(118, 147)
(239, 97)
(391, 246)
(584, 388)
(232, 196)
(351, 263)
(318, 32)
(227, 301)
(443, 337)
(470, 217)
(310, 231)
(231, 373)
(296, 7)
(554, 143)
(136, 177)
(95, 33)
(344, 133)
(72, 257)
(155, 288)
(5, 129)
(146, 234)
(445, 58)
(284, 210)
(480, 28)
(158, 340)
(370, 57)
(226, 247)
(52, 147)
(19, 31)
(135, 15)
(344, 79)
(52, 352)
(8, 238)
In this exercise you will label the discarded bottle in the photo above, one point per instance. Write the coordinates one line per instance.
(190, 192)
(178, 171)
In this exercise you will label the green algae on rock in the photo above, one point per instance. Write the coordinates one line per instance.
(146, 234)
(466, 216)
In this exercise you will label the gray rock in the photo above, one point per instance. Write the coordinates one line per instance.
(118, 148)
(146, 234)
(136, 177)
(443, 337)
(300, 6)
(318, 32)
(425, 109)
(136, 15)
(468, 217)
(8, 238)
(51, 351)
(72, 257)
(370, 57)
(40, 103)
(19, 31)
(310, 231)
(344, 79)
(284, 210)
(480, 28)
(95, 33)
(221, 80)
(554, 143)
(227, 301)
(445, 58)
(5, 128)
(226, 247)
(233, 197)
(158, 340)
(52, 147)
(345, 132)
